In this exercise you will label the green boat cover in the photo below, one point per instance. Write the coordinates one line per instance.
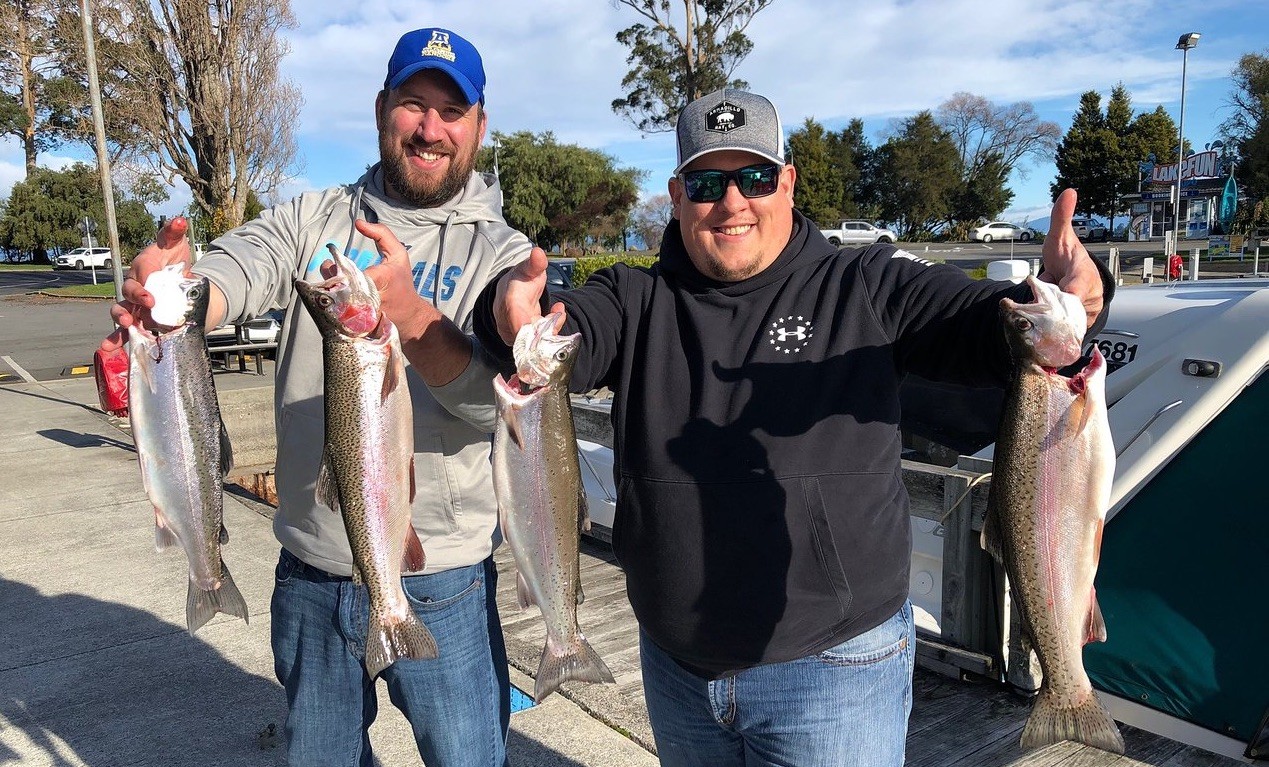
(1184, 580)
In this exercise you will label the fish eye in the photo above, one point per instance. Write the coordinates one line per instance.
(1023, 324)
(324, 300)
(196, 292)
(561, 355)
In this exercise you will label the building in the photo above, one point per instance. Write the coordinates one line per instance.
(1208, 196)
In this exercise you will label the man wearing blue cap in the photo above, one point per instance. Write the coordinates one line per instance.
(429, 232)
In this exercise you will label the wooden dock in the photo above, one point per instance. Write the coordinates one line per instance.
(954, 723)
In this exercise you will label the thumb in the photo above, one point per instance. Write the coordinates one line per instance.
(534, 266)
(1063, 210)
(390, 248)
(172, 232)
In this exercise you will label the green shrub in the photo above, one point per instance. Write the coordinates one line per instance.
(588, 265)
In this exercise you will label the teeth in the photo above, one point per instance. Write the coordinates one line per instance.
(430, 156)
(735, 229)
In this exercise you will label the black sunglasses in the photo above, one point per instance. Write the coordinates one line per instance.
(711, 185)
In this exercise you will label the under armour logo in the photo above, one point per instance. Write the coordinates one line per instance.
(790, 334)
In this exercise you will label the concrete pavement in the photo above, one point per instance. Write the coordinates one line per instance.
(96, 667)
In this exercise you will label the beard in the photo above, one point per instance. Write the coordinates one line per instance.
(417, 188)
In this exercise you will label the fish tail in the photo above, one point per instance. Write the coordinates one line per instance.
(202, 605)
(391, 638)
(576, 660)
(1089, 723)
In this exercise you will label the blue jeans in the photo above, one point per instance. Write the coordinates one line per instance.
(848, 705)
(458, 704)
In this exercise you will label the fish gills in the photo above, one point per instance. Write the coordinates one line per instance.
(182, 446)
(367, 470)
(1051, 481)
(541, 503)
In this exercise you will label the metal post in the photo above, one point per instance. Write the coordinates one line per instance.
(1194, 264)
(1255, 265)
(1147, 269)
(1186, 42)
(103, 160)
(1114, 266)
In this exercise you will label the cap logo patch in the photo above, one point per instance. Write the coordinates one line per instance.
(439, 46)
(724, 117)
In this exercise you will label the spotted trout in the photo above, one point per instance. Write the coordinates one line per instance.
(1054, 462)
(541, 503)
(181, 442)
(367, 470)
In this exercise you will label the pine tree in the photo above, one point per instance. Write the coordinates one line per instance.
(1084, 158)
(818, 192)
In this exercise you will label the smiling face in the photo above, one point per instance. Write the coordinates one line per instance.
(428, 138)
(735, 237)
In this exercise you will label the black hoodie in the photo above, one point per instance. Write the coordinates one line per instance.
(761, 513)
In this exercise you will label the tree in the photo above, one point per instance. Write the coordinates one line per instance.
(819, 190)
(194, 86)
(560, 194)
(922, 171)
(650, 218)
(1085, 156)
(44, 213)
(856, 163)
(993, 141)
(1248, 127)
(36, 101)
(673, 65)
(1124, 160)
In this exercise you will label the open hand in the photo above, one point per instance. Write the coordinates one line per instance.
(170, 246)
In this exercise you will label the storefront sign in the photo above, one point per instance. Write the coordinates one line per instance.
(1201, 165)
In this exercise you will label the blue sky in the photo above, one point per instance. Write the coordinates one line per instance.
(555, 65)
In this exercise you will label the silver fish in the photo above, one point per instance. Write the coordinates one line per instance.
(181, 441)
(367, 471)
(541, 504)
(1050, 491)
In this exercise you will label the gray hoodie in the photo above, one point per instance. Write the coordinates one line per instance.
(456, 249)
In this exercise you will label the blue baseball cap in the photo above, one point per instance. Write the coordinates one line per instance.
(435, 48)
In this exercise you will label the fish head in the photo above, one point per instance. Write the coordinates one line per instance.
(345, 302)
(178, 299)
(1049, 330)
(541, 355)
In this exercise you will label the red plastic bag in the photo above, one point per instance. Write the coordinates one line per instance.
(111, 369)
(1174, 267)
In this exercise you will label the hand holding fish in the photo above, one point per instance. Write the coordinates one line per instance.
(518, 300)
(1067, 263)
(170, 247)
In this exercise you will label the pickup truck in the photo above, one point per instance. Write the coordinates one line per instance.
(857, 233)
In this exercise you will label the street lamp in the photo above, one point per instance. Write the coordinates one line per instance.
(1184, 44)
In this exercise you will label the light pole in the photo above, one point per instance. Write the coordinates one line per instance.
(1184, 44)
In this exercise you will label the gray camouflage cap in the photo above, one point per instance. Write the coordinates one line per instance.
(729, 119)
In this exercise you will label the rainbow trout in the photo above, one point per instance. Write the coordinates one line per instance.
(181, 442)
(541, 504)
(1050, 490)
(367, 471)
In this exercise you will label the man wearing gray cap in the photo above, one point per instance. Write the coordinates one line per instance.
(762, 521)
(423, 193)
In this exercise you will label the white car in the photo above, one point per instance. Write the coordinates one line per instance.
(1088, 229)
(84, 258)
(858, 233)
(1001, 230)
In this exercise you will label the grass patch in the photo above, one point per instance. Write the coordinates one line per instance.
(7, 267)
(100, 290)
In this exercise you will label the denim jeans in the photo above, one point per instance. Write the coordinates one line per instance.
(458, 704)
(848, 705)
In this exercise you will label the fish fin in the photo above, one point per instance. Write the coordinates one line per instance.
(327, 488)
(164, 538)
(405, 638)
(412, 485)
(1088, 722)
(390, 375)
(226, 452)
(583, 511)
(357, 578)
(414, 558)
(201, 606)
(576, 660)
(144, 362)
(1095, 627)
(523, 595)
(992, 538)
(511, 417)
(224, 537)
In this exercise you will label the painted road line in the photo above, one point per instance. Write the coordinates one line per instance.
(18, 369)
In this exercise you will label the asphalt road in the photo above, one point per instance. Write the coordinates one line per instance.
(43, 338)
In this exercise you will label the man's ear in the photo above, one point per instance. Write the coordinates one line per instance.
(675, 188)
(379, 109)
(789, 172)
